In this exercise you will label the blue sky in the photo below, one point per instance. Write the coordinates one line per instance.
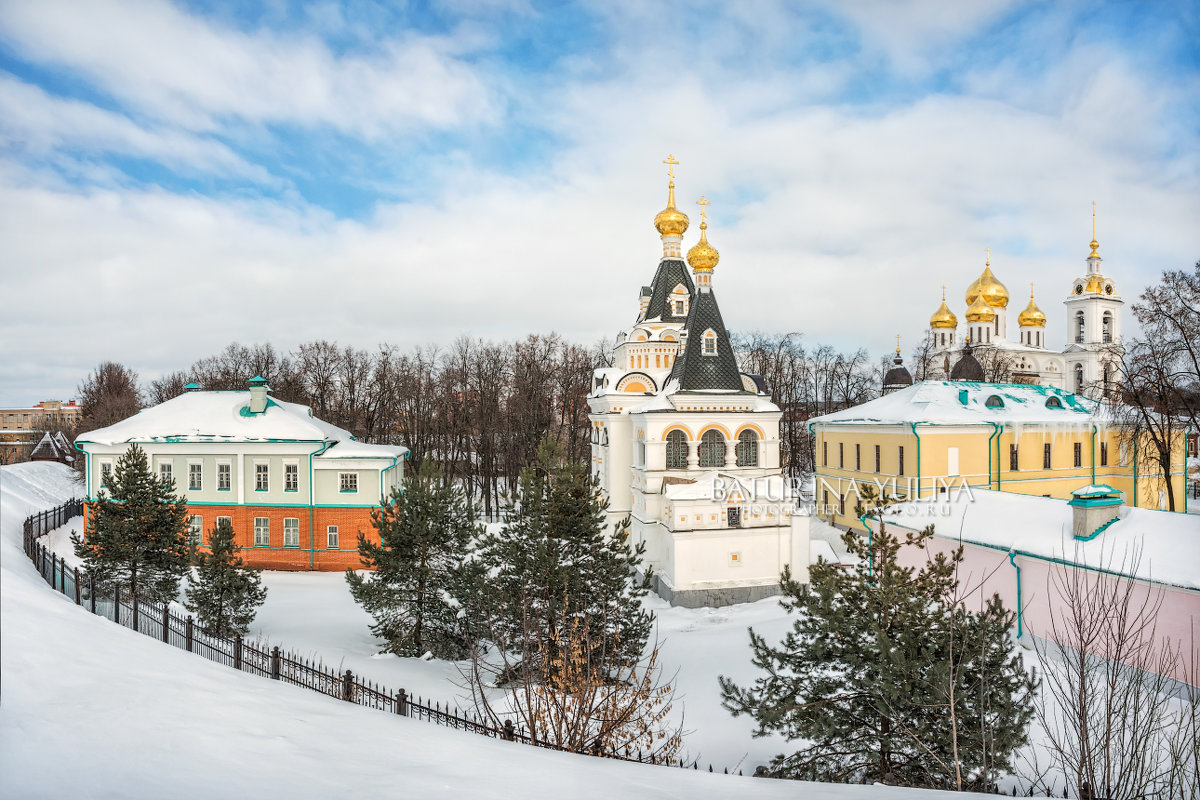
(175, 176)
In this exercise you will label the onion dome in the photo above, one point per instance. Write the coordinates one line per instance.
(980, 311)
(703, 256)
(1032, 315)
(943, 318)
(993, 291)
(968, 367)
(671, 221)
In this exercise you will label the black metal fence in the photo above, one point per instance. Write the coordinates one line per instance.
(163, 624)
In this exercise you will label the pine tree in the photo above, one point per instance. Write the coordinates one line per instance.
(553, 562)
(424, 579)
(225, 594)
(137, 532)
(886, 675)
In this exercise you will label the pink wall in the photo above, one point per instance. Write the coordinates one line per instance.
(988, 570)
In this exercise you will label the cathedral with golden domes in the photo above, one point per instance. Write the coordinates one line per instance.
(685, 446)
(984, 351)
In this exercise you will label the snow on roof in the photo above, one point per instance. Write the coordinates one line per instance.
(966, 403)
(224, 417)
(1165, 544)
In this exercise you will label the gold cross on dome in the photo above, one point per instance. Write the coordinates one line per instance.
(671, 164)
(988, 252)
(943, 292)
(704, 204)
(897, 344)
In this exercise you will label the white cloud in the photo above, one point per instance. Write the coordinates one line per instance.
(42, 124)
(179, 68)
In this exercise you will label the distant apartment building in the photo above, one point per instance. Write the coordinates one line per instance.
(21, 428)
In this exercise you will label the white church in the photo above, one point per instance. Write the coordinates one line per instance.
(686, 446)
(1087, 365)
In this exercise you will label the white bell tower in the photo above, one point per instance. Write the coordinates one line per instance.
(1093, 338)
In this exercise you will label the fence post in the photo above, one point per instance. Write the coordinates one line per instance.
(54, 571)
(237, 651)
(117, 604)
(348, 686)
(275, 663)
(92, 591)
(187, 635)
(510, 733)
(136, 603)
(166, 622)
(78, 591)
(402, 703)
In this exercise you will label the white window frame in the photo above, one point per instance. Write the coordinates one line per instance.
(217, 524)
(332, 538)
(106, 466)
(348, 482)
(166, 470)
(196, 529)
(225, 470)
(262, 532)
(291, 476)
(708, 345)
(266, 476)
(198, 474)
(291, 531)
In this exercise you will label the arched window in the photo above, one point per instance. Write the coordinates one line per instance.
(710, 342)
(677, 450)
(712, 449)
(1079, 326)
(1053, 402)
(747, 449)
(1107, 327)
(994, 402)
(1079, 377)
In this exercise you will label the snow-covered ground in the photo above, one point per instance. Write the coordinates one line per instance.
(90, 709)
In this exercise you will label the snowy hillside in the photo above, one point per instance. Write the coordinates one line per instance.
(90, 709)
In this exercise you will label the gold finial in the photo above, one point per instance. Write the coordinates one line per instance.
(897, 344)
(1095, 245)
(671, 164)
(1031, 290)
(703, 257)
(704, 204)
(987, 262)
(943, 292)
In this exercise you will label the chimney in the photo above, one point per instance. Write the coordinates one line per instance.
(192, 387)
(1094, 509)
(258, 394)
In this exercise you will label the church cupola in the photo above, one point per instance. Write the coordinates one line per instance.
(703, 256)
(898, 376)
(1033, 323)
(671, 223)
(942, 325)
(988, 291)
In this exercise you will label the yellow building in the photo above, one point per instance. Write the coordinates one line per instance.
(21, 428)
(934, 437)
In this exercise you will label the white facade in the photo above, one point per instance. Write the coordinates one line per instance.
(695, 468)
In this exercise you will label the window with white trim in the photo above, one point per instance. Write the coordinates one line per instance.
(225, 521)
(165, 473)
(196, 531)
(710, 342)
(106, 469)
(224, 477)
(262, 532)
(747, 449)
(291, 477)
(195, 477)
(262, 477)
(347, 481)
(291, 532)
(331, 537)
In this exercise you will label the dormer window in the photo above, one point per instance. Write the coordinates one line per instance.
(1053, 402)
(710, 342)
(994, 402)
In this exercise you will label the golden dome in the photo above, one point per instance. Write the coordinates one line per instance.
(980, 311)
(1032, 315)
(943, 318)
(703, 256)
(671, 221)
(993, 291)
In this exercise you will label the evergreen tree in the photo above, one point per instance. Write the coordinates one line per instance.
(225, 594)
(553, 564)
(886, 675)
(423, 583)
(137, 532)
